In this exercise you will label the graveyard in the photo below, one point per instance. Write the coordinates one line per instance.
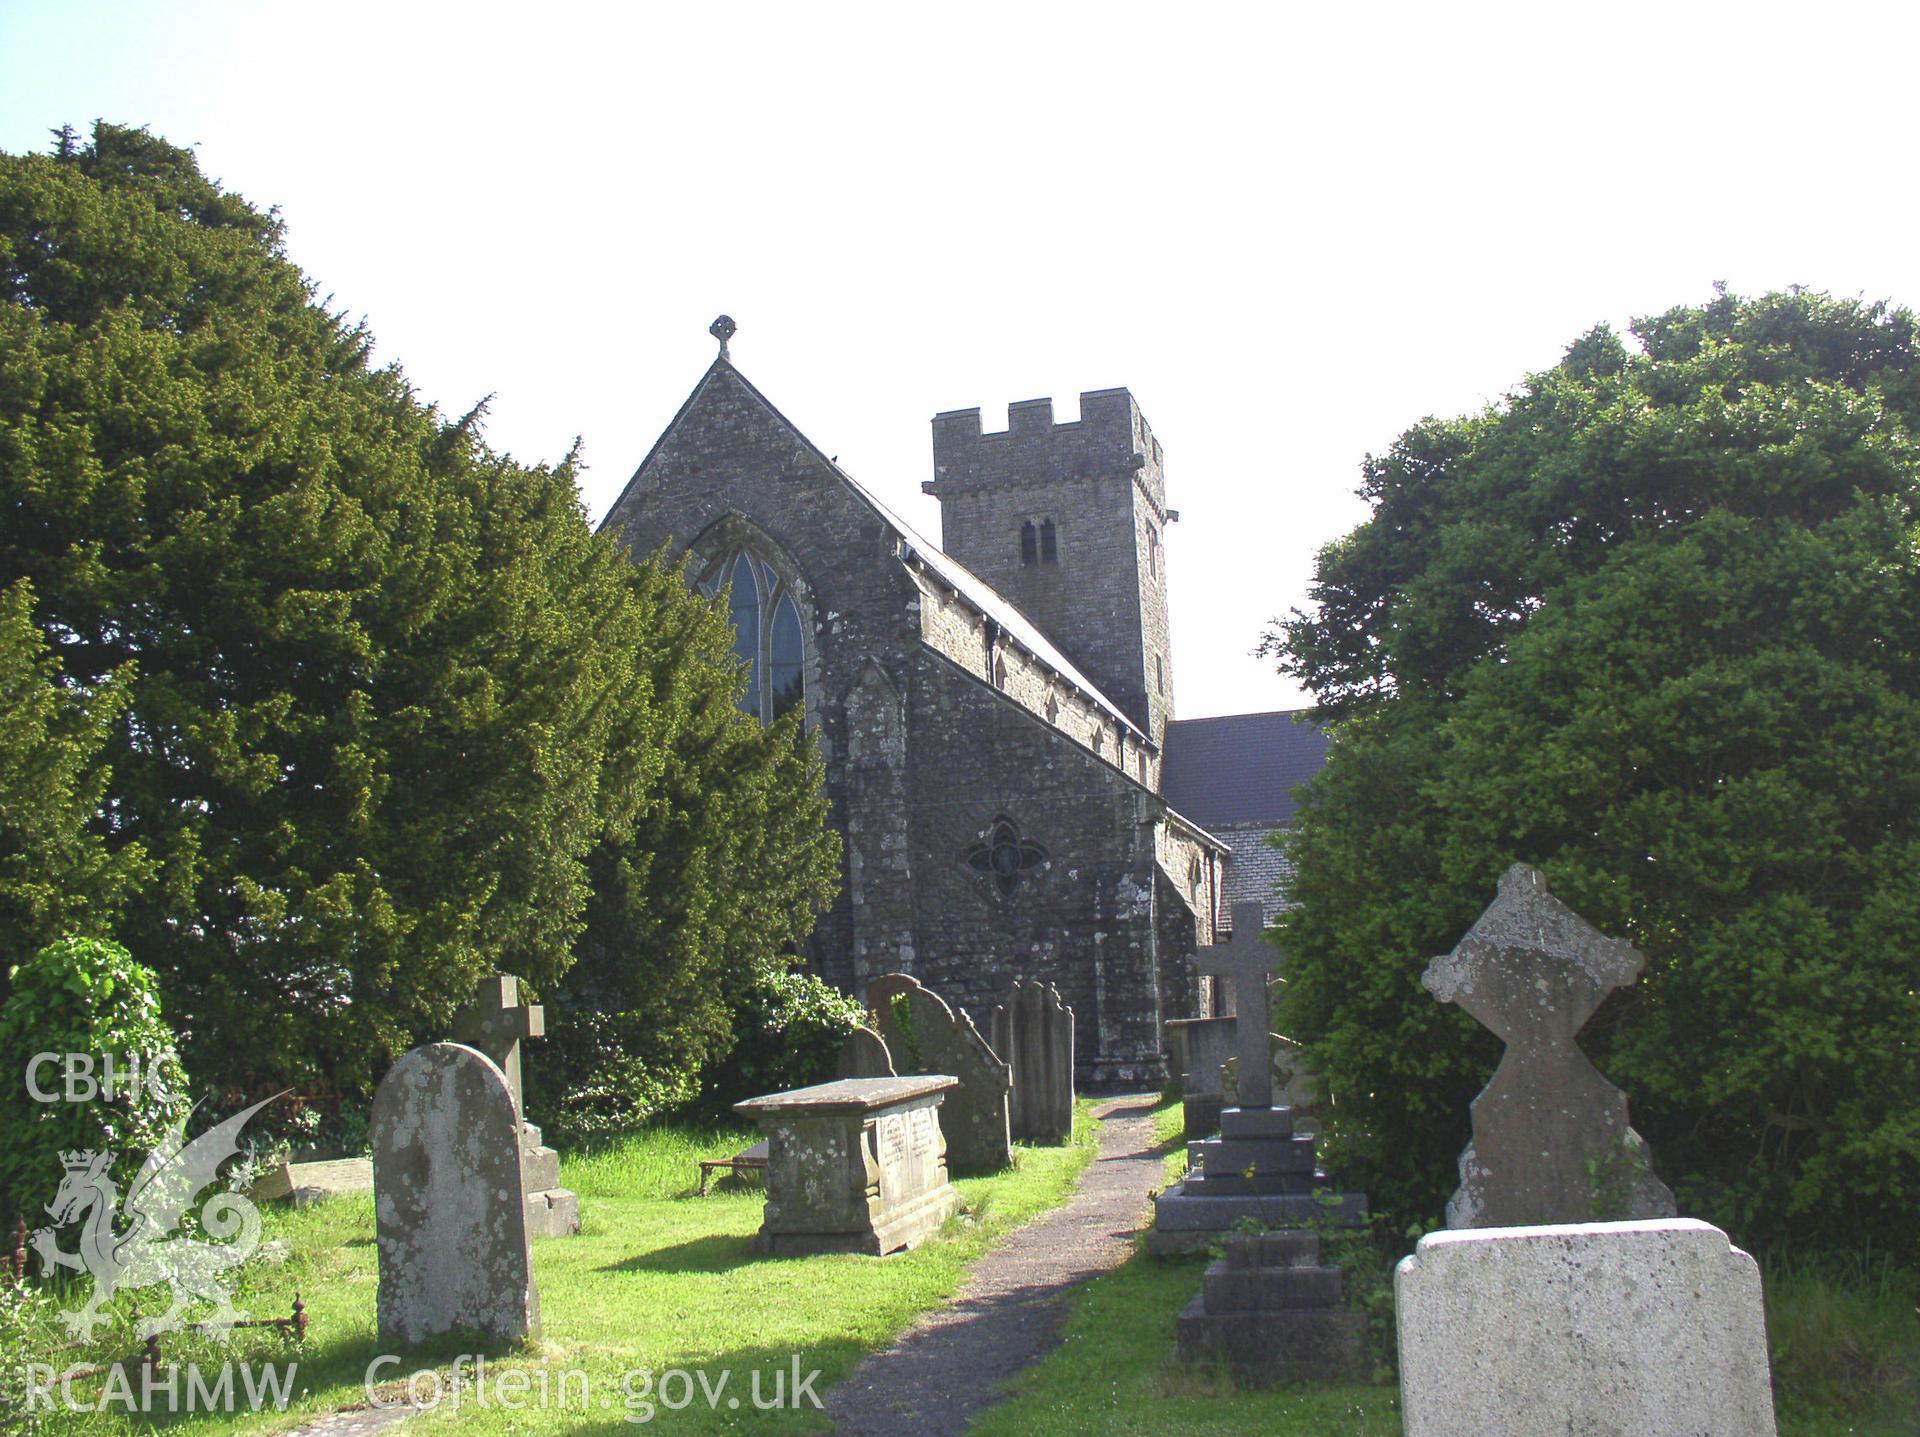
(658, 1278)
(733, 968)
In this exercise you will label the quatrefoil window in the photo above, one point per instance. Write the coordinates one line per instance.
(1006, 859)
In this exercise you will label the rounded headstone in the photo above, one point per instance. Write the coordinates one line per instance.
(448, 1200)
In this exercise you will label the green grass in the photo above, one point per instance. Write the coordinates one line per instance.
(1844, 1335)
(1169, 1133)
(658, 1279)
(1116, 1375)
(1845, 1338)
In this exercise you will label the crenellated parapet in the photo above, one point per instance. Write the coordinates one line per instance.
(1069, 521)
(1110, 440)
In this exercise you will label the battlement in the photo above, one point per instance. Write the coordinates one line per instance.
(1110, 439)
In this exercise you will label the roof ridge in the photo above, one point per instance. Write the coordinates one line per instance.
(1034, 638)
(1262, 713)
(988, 601)
(672, 424)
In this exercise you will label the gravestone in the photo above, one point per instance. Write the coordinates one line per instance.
(1246, 959)
(1258, 1170)
(1551, 1143)
(1033, 1032)
(451, 1219)
(975, 1118)
(496, 1023)
(864, 1055)
(1603, 1329)
(1293, 1084)
(1271, 1311)
(855, 1165)
(309, 1182)
(1208, 1043)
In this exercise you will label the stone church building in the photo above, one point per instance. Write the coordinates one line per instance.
(996, 711)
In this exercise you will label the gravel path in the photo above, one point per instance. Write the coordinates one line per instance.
(353, 1422)
(951, 1364)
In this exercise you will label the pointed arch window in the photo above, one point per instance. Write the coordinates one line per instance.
(1029, 543)
(767, 636)
(1049, 543)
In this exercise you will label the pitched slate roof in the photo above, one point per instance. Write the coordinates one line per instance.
(1239, 769)
(989, 601)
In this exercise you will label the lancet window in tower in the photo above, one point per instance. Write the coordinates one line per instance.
(767, 637)
(1039, 543)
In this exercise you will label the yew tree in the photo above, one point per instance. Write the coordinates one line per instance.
(1653, 625)
(381, 700)
(58, 875)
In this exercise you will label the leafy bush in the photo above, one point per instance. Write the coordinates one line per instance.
(301, 1129)
(599, 1076)
(81, 995)
(789, 1028)
(1653, 626)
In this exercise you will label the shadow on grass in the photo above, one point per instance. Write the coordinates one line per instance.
(718, 1253)
(1177, 1143)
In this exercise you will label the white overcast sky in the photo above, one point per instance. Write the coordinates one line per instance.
(1292, 232)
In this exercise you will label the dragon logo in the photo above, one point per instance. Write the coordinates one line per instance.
(147, 1251)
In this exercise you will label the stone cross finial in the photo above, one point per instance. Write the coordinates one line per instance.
(496, 1023)
(1247, 959)
(1550, 1137)
(723, 329)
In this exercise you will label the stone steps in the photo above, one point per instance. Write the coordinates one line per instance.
(1232, 1155)
(1271, 1311)
(1269, 1289)
(1238, 1184)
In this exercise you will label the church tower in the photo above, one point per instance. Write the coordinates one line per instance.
(1067, 520)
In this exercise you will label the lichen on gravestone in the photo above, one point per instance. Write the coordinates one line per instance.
(1551, 1140)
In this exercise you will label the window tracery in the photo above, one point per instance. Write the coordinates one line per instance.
(767, 636)
(1006, 860)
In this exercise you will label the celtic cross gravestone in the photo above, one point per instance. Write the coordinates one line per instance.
(1551, 1142)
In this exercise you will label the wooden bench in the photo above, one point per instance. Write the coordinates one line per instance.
(753, 1160)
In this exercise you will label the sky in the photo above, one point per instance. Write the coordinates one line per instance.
(1292, 232)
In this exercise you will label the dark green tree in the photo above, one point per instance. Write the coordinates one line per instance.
(390, 705)
(702, 900)
(1653, 625)
(58, 873)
